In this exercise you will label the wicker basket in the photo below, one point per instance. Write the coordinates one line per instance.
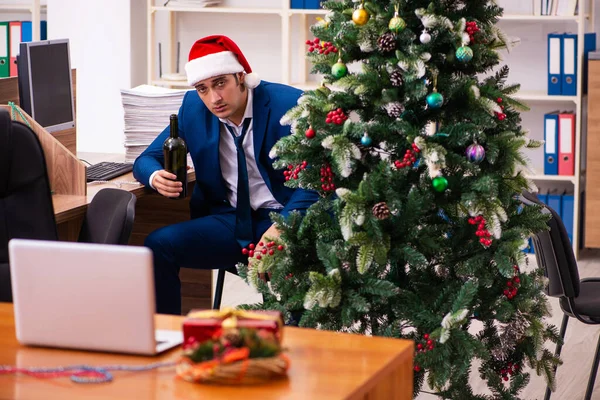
(247, 372)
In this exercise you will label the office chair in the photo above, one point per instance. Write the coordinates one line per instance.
(109, 217)
(26, 209)
(579, 299)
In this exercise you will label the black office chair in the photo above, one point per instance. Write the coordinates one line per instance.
(26, 209)
(109, 217)
(579, 299)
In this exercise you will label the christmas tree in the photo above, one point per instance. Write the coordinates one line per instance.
(418, 154)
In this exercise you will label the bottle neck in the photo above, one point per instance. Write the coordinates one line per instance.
(174, 130)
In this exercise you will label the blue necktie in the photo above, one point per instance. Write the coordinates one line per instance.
(243, 212)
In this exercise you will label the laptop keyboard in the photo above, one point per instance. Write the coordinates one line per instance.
(107, 170)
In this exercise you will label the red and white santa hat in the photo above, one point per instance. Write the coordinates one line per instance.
(218, 55)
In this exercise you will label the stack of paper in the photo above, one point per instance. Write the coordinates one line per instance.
(147, 110)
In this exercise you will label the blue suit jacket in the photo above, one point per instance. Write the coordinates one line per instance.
(201, 130)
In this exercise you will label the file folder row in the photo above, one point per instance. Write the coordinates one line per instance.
(559, 143)
(562, 62)
(564, 8)
(305, 4)
(12, 33)
(563, 204)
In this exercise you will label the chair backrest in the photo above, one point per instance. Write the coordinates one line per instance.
(554, 253)
(109, 217)
(26, 209)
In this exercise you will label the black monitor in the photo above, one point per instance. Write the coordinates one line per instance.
(45, 87)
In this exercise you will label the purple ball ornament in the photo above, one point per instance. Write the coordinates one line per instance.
(475, 153)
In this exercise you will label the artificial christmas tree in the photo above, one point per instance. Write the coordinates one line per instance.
(428, 248)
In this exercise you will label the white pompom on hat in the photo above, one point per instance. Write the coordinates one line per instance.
(218, 55)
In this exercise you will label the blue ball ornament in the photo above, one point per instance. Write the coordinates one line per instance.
(435, 100)
(464, 54)
(366, 140)
(475, 153)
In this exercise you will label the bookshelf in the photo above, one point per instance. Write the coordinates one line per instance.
(286, 15)
(583, 22)
(31, 6)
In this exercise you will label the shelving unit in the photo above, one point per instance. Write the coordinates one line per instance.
(34, 7)
(284, 12)
(287, 14)
(584, 18)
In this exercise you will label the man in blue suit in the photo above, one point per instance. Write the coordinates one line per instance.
(229, 124)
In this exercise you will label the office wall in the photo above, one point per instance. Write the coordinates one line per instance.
(108, 48)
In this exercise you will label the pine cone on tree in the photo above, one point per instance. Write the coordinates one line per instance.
(387, 42)
(395, 109)
(396, 78)
(381, 211)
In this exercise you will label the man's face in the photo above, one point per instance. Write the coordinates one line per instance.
(224, 95)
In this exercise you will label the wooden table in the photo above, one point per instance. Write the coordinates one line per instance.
(152, 211)
(325, 365)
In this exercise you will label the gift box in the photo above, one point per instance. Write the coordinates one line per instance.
(202, 325)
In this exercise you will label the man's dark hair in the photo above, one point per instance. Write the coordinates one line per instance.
(237, 82)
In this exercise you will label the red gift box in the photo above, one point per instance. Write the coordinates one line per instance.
(202, 325)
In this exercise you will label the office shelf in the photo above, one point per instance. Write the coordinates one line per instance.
(539, 18)
(555, 178)
(542, 97)
(298, 11)
(21, 7)
(217, 10)
(34, 8)
(171, 83)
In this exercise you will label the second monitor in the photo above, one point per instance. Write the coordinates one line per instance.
(45, 86)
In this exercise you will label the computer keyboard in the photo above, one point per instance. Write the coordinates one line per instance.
(107, 170)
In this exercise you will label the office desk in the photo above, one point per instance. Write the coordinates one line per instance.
(152, 211)
(324, 365)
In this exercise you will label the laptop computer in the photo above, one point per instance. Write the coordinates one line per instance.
(86, 296)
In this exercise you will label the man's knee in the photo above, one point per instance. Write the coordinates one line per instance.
(160, 242)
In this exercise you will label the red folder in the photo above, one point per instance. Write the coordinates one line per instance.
(566, 144)
(14, 35)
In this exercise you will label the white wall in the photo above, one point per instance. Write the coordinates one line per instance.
(109, 52)
(108, 47)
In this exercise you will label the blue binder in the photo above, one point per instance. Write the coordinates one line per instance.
(569, 64)
(570, 61)
(43, 30)
(26, 34)
(555, 202)
(312, 4)
(296, 4)
(555, 65)
(543, 197)
(589, 44)
(568, 201)
(551, 144)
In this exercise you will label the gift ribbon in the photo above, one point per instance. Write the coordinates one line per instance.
(230, 316)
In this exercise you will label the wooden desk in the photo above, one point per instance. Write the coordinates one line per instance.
(325, 365)
(152, 211)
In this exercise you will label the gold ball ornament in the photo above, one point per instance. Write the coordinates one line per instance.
(360, 16)
(397, 24)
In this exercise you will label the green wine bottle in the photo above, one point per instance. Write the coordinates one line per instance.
(175, 153)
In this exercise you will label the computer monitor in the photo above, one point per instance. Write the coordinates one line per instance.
(45, 86)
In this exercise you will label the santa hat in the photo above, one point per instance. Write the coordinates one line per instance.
(217, 55)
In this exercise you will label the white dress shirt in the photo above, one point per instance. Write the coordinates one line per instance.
(260, 195)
